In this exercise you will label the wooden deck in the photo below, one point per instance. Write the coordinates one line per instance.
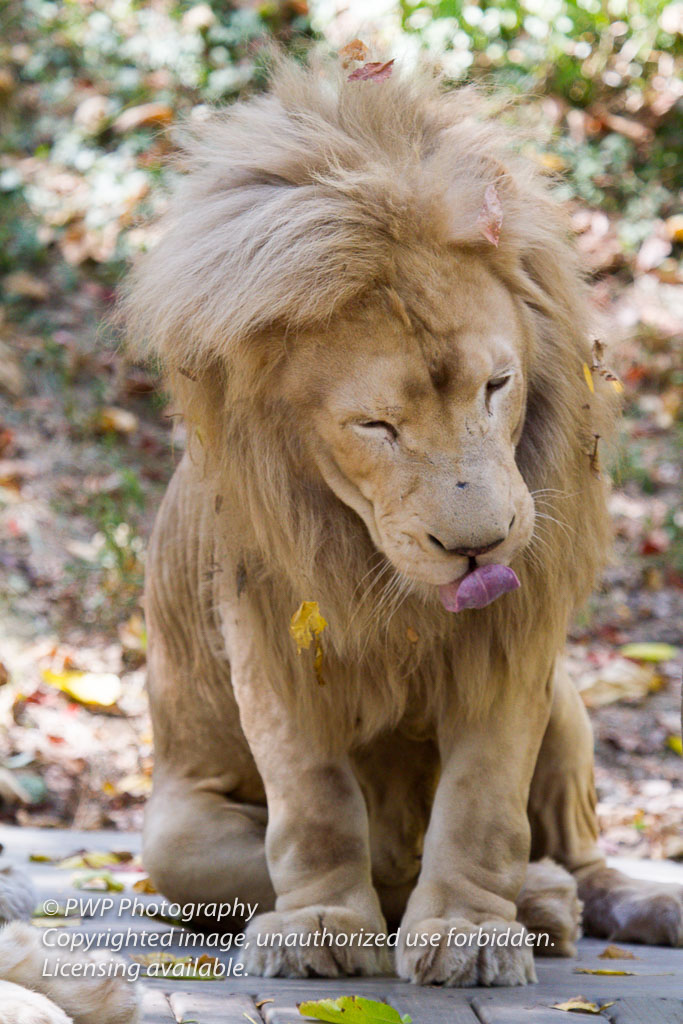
(653, 994)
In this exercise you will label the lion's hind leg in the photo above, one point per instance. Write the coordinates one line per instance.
(564, 826)
(202, 847)
(548, 905)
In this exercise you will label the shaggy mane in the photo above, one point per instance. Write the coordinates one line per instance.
(292, 207)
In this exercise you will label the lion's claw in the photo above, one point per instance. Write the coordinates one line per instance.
(297, 955)
(492, 953)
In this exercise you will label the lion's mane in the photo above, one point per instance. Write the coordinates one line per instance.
(290, 208)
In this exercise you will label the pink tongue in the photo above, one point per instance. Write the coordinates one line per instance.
(478, 588)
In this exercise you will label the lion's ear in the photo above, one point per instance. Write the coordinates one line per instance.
(479, 207)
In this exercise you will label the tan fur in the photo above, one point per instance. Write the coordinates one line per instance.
(322, 269)
(28, 964)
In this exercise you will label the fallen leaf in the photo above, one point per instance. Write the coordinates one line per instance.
(145, 885)
(355, 50)
(11, 379)
(98, 881)
(119, 420)
(352, 1010)
(674, 227)
(93, 859)
(94, 689)
(618, 679)
(654, 652)
(137, 784)
(675, 743)
(602, 970)
(376, 71)
(490, 217)
(577, 1004)
(142, 116)
(26, 286)
(616, 953)
(589, 378)
(186, 968)
(133, 635)
(411, 636)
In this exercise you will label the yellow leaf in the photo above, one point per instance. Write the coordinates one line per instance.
(101, 689)
(168, 966)
(589, 378)
(135, 785)
(616, 953)
(618, 386)
(649, 651)
(98, 881)
(675, 743)
(145, 885)
(352, 1010)
(577, 1004)
(306, 624)
(119, 420)
(551, 161)
(95, 859)
(601, 970)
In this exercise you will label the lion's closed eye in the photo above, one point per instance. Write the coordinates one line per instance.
(378, 428)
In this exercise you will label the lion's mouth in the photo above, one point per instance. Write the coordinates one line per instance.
(478, 588)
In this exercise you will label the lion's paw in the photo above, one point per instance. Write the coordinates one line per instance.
(456, 952)
(631, 910)
(327, 942)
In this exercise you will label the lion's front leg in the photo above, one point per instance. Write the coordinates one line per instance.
(317, 845)
(459, 928)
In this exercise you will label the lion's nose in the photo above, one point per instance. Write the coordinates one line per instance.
(470, 552)
(466, 552)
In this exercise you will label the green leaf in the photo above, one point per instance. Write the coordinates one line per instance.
(353, 1010)
(649, 652)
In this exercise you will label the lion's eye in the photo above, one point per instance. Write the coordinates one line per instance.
(380, 426)
(496, 384)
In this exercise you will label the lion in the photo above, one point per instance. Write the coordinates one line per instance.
(388, 416)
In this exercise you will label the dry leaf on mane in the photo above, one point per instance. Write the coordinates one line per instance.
(355, 50)
(490, 217)
(376, 71)
(305, 626)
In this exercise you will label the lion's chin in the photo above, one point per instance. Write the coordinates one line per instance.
(478, 588)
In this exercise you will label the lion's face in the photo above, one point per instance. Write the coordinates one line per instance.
(416, 418)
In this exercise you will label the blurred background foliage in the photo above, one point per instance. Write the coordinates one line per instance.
(91, 92)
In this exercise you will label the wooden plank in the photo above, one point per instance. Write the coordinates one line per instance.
(205, 1008)
(156, 1008)
(650, 1010)
(495, 1009)
(435, 1005)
